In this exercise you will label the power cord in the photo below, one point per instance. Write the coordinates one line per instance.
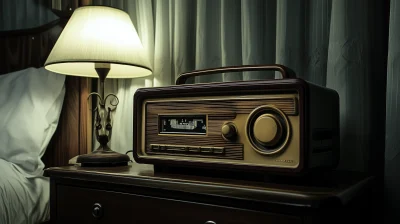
(129, 152)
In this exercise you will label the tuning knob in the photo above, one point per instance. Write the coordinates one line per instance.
(229, 131)
(267, 129)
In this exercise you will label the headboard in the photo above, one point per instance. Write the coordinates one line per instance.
(29, 48)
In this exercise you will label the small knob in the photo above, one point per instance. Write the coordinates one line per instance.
(229, 131)
(210, 222)
(267, 129)
(97, 211)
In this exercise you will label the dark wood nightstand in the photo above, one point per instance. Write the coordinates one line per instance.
(135, 194)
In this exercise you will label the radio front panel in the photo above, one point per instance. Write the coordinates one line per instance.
(254, 130)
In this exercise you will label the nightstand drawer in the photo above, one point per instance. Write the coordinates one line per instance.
(83, 205)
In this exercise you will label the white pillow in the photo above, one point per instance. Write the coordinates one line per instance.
(30, 106)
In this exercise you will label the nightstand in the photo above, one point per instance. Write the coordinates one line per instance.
(135, 194)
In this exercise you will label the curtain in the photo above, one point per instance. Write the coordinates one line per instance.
(344, 45)
(392, 153)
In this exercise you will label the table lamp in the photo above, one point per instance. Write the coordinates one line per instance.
(100, 41)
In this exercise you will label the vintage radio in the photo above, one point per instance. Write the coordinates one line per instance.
(281, 126)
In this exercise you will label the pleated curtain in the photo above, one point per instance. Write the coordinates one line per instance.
(392, 136)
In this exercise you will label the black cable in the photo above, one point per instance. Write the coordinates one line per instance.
(129, 152)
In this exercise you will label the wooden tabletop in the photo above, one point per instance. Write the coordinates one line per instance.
(335, 188)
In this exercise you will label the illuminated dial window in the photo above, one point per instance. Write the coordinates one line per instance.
(183, 124)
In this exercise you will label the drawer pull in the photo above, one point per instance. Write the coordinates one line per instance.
(97, 211)
(210, 222)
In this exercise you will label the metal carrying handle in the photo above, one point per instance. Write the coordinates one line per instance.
(285, 71)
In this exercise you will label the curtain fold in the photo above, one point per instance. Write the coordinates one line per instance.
(208, 37)
(162, 70)
(258, 39)
(316, 30)
(290, 35)
(349, 73)
(231, 37)
(392, 155)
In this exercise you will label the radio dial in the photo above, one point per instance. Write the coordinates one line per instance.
(267, 129)
(229, 131)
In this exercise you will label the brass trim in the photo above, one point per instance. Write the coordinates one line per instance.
(288, 134)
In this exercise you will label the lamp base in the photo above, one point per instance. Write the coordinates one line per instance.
(103, 158)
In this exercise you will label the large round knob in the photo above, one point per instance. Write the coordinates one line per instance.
(229, 131)
(267, 129)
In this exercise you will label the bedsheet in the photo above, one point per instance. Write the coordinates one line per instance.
(22, 199)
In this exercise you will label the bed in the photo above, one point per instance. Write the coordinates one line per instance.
(44, 120)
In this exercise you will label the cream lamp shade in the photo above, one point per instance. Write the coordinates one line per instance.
(96, 35)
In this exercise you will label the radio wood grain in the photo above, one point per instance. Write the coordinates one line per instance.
(221, 107)
(218, 112)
